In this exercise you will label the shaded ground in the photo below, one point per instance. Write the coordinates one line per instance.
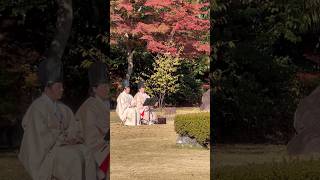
(11, 168)
(239, 154)
(263, 162)
(149, 152)
(243, 154)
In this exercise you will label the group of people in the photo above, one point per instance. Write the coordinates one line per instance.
(131, 110)
(58, 145)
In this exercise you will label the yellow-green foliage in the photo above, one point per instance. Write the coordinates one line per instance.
(286, 170)
(196, 125)
(164, 81)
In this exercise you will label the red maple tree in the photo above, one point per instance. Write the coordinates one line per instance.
(163, 26)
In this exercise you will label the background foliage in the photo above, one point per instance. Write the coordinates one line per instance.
(261, 51)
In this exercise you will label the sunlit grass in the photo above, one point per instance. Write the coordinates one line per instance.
(150, 152)
(133, 150)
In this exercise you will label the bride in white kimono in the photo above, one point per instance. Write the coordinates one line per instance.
(51, 146)
(126, 112)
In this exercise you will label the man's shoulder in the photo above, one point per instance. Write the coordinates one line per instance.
(137, 94)
(122, 94)
(146, 95)
(39, 102)
(39, 105)
(130, 95)
(90, 103)
(62, 105)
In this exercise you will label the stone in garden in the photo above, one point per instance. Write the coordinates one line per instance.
(307, 126)
(205, 106)
(186, 140)
(170, 110)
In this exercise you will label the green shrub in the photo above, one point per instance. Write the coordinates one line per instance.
(196, 125)
(286, 170)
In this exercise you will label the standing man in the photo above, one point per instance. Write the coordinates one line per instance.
(51, 146)
(147, 114)
(94, 118)
(127, 113)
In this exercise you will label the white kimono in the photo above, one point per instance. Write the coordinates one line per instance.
(127, 114)
(145, 112)
(94, 118)
(44, 151)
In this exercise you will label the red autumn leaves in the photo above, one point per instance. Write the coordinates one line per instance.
(165, 26)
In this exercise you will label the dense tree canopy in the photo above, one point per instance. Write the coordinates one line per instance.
(261, 48)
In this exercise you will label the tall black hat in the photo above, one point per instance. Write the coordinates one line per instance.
(50, 71)
(125, 83)
(98, 74)
(141, 85)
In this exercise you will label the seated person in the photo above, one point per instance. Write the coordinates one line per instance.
(126, 112)
(51, 146)
(147, 115)
(93, 115)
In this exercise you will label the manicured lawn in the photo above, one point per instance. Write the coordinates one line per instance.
(149, 152)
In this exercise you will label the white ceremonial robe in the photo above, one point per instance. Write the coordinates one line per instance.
(94, 118)
(45, 152)
(144, 111)
(128, 115)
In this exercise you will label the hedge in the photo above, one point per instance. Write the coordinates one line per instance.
(286, 170)
(196, 125)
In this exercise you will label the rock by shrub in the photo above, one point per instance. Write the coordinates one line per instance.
(205, 106)
(186, 141)
(196, 125)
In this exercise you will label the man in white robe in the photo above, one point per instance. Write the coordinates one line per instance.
(94, 118)
(126, 112)
(51, 146)
(147, 114)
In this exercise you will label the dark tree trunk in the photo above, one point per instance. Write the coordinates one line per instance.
(130, 64)
(63, 25)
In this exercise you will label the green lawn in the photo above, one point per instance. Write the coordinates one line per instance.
(150, 152)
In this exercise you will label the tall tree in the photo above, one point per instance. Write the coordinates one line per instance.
(164, 81)
(161, 27)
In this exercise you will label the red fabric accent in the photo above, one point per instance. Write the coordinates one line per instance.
(142, 114)
(105, 164)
